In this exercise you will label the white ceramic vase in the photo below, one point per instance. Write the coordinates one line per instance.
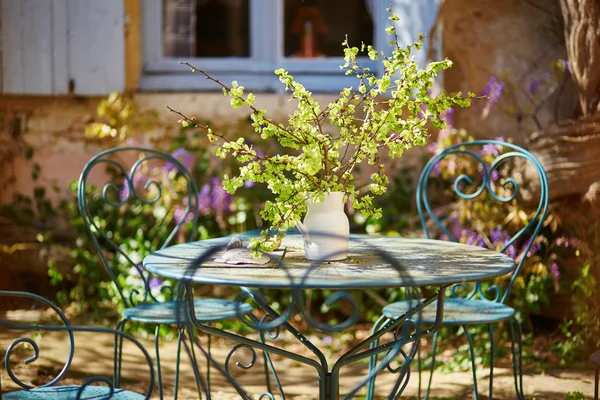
(326, 229)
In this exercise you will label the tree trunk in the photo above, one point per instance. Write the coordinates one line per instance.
(581, 20)
(570, 154)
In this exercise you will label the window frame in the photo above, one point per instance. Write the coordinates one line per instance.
(160, 73)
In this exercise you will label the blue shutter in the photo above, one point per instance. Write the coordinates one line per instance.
(49, 43)
(25, 25)
(96, 46)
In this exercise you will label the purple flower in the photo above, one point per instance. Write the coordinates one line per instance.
(554, 271)
(155, 283)
(432, 148)
(499, 235)
(566, 242)
(536, 82)
(185, 157)
(249, 184)
(492, 149)
(535, 247)
(204, 200)
(489, 149)
(448, 117)
(213, 199)
(511, 251)
(565, 65)
(473, 238)
(495, 175)
(221, 201)
(182, 215)
(454, 226)
(437, 169)
(125, 191)
(499, 238)
(423, 108)
(493, 90)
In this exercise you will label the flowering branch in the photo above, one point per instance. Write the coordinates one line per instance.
(379, 114)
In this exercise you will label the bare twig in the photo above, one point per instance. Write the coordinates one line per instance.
(254, 109)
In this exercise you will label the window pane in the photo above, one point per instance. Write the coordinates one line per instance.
(317, 28)
(206, 28)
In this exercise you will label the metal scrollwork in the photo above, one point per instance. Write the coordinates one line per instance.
(9, 350)
(36, 349)
(238, 364)
(275, 320)
(272, 333)
(329, 301)
(69, 329)
(128, 185)
(490, 180)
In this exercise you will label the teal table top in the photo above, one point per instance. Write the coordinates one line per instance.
(427, 262)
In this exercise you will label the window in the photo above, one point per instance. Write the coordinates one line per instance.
(206, 28)
(246, 40)
(314, 29)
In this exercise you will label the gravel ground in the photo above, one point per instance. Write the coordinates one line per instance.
(94, 357)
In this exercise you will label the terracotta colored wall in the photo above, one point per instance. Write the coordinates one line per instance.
(508, 39)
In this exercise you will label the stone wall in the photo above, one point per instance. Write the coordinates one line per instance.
(515, 40)
(54, 128)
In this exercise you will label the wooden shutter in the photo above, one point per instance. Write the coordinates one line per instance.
(52, 46)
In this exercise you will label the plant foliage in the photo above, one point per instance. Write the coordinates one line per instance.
(381, 116)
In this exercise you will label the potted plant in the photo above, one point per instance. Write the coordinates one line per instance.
(380, 115)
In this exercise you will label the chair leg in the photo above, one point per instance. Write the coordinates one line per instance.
(492, 354)
(432, 368)
(373, 359)
(473, 368)
(596, 383)
(200, 384)
(517, 353)
(118, 354)
(177, 361)
(270, 369)
(266, 368)
(520, 342)
(208, 363)
(158, 370)
(419, 370)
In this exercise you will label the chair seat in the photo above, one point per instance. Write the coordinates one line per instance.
(207, 310)
(457, 311)
(70, 393)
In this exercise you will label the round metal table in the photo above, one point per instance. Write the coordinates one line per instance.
(425, 262)
(428, 262)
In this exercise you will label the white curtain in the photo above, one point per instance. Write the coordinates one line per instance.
(179, 28)
(416, 16)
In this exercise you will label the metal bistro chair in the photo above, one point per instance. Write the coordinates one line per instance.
(595, 359)
(475, 308)
(97, 387)
(139, 186)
